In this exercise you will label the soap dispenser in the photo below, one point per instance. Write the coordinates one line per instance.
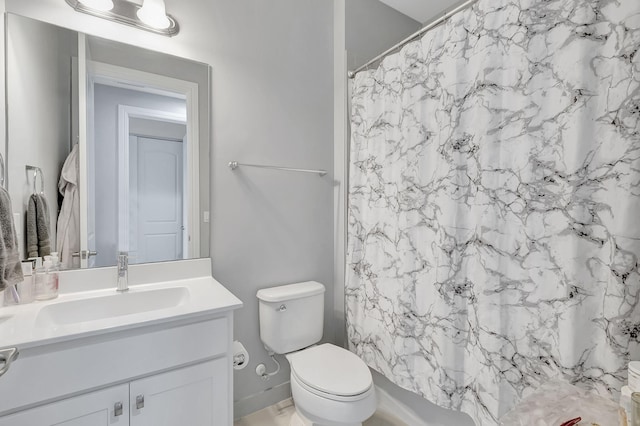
(46, 281)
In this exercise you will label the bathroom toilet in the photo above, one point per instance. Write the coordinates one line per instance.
(330, 385)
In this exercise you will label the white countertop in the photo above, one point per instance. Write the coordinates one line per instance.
(20, 327)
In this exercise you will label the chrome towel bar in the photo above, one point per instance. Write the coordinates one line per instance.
(36, 171)
(234, 165)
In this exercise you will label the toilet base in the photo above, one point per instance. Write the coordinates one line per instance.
(315, 410)
(299, 419)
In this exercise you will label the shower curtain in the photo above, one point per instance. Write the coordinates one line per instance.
(494, 204)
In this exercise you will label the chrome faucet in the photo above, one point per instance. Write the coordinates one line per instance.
(123, 271)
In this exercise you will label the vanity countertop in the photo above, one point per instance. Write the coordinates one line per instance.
(91, 313)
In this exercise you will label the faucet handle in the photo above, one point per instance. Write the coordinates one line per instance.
(123, 268)
(123, 260)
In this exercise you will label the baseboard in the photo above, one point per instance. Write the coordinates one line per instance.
(264, 399)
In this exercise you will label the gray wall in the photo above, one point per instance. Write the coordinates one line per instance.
(39, 133)
(272, 103)
(273, 89)
(372, 27)
(106, 100)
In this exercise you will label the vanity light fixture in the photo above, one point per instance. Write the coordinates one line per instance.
(101, 5)
(154, 14)
(151, 16)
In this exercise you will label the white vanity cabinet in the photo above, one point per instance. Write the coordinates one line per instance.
(170, 374)
(192, 395)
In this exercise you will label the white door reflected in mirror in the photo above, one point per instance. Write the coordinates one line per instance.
(156, 201)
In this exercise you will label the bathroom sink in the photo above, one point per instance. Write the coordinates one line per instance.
(111, 306)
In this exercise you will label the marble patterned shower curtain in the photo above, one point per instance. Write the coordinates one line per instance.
(494, 217)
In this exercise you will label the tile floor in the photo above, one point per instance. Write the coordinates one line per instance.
(275, 415)
(280, 414)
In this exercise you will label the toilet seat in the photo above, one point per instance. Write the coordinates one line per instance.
(331, 372)
(324, 395)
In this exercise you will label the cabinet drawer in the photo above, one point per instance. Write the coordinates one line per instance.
(54, 371)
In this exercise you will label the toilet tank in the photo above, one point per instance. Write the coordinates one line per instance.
(291, 316)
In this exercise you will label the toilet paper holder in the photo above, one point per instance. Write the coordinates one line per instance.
(240, 356)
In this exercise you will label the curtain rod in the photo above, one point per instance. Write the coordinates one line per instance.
(413, 36)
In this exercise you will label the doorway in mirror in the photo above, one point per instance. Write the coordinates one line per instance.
(150, 187)
(156, 186)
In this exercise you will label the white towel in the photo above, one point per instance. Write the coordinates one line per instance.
(68, 238)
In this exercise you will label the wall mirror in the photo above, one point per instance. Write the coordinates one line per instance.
(114, 139)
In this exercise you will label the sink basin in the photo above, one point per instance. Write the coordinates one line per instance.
(111, 306)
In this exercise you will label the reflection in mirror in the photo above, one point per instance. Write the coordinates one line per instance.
(121, 135)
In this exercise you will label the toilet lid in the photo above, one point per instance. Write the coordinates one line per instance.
(332, 370)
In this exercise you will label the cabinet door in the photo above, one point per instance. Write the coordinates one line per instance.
(195, 395)
(92, 409)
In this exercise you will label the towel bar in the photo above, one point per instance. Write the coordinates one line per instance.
(36, 171)
(234, 165)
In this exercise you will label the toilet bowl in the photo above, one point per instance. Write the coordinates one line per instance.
(330, 385)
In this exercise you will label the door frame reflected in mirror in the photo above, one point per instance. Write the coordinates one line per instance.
(131, 79)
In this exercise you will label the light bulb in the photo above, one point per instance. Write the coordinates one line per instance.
(154, 14)
(101, 5)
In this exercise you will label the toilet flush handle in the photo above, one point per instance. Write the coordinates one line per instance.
(282, 308)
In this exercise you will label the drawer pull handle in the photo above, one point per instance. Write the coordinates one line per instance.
(117, 409)
(140, 402)
(7, 356)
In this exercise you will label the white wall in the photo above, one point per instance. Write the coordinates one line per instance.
(39, 121)
(107, 99)
(272, 87)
